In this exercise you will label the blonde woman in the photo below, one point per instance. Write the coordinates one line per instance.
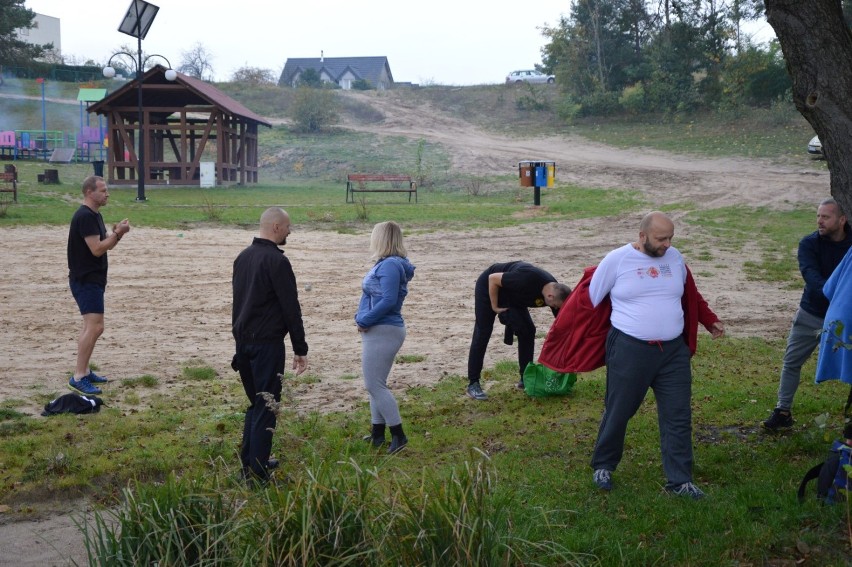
(382, 329)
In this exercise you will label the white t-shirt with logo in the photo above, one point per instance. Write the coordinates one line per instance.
(645, 292)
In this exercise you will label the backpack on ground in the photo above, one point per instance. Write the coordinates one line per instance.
(833, 481)
(73, 403)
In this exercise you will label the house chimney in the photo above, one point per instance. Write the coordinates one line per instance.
(321, 56)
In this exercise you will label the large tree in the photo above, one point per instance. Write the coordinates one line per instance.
(817, 46)
(13, 17)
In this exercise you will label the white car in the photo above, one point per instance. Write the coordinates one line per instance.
(815, 147)
(529, 76)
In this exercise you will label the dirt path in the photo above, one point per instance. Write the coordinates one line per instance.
(665, 178)
(168, 302)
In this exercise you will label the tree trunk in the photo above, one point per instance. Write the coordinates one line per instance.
(817, 47)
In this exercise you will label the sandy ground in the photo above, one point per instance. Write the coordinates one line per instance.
(168, 300)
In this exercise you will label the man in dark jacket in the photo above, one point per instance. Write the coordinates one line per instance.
(819, 254)
(508, 290)
(266, 309)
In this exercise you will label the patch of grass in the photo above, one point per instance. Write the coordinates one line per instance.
(132, 398)
(775, 233)
(409, 358)
(11, 428)
(10, 414)
(12, 403)
(319, 204)
(144, 381)
(199, 373)
(306, 378)
(779, 133)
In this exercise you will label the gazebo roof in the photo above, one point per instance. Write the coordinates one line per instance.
(183, 91)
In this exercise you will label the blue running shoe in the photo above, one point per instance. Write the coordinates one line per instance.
(83, 386)
(95, 379)
(603, 479)
(686, 489)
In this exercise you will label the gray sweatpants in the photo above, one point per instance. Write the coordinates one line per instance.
(379, 345)
(632, 367)
(801, 343)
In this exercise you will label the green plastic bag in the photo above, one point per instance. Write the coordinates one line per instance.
(540, 381)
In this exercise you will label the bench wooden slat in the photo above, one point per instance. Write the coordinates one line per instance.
(377, 177)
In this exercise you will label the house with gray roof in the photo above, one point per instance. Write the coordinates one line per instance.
(342, 71)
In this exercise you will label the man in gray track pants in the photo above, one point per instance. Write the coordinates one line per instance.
(819, 254)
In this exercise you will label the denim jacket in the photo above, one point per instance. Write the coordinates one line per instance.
(383, 290)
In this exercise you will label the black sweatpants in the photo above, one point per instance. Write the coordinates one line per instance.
(259, 365)
(517, 317)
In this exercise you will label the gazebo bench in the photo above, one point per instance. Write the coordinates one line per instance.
(357, 183)
(9, 184)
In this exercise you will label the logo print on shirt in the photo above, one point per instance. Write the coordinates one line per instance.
(653, 272)
(666, 271)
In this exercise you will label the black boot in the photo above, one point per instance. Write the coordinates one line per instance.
(377, 435)
(398, 439)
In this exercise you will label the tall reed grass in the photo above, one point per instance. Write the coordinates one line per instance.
(328, 514)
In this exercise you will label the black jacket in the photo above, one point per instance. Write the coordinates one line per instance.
(266, 300)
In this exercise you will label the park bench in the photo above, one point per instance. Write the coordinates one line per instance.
(357, 183)
(9, 184)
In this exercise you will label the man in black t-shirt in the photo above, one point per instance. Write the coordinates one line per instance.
(88, 243)
(508, 290)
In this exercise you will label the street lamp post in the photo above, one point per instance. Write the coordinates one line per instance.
(136, 23)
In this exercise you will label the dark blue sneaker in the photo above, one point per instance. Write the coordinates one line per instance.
(83, 386)
(603, 479)
(687, 489)
(95, 379)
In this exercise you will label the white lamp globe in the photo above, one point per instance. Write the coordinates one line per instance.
(171, 75)
(109, 72)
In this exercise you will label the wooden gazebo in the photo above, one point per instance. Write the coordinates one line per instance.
(187, 121)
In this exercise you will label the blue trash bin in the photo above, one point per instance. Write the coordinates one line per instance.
(98, 166)
(541, 175)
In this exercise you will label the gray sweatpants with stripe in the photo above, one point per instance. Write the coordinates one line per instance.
(379, 345)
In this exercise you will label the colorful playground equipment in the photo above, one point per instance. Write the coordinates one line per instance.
(53, 145)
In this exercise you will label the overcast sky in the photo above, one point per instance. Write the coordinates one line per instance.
(457, 42)
(450, 42)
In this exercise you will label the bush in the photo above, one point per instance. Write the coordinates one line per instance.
(362, 85)
(633, 99)
(568, 110)
(313, 109)
(533, 100)
(600, 104)
(310, 78)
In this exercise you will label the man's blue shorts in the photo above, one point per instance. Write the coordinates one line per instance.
(89, 296)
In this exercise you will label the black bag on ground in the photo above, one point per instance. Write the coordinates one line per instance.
(833, 480)
(831, 474)
(73, 403)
